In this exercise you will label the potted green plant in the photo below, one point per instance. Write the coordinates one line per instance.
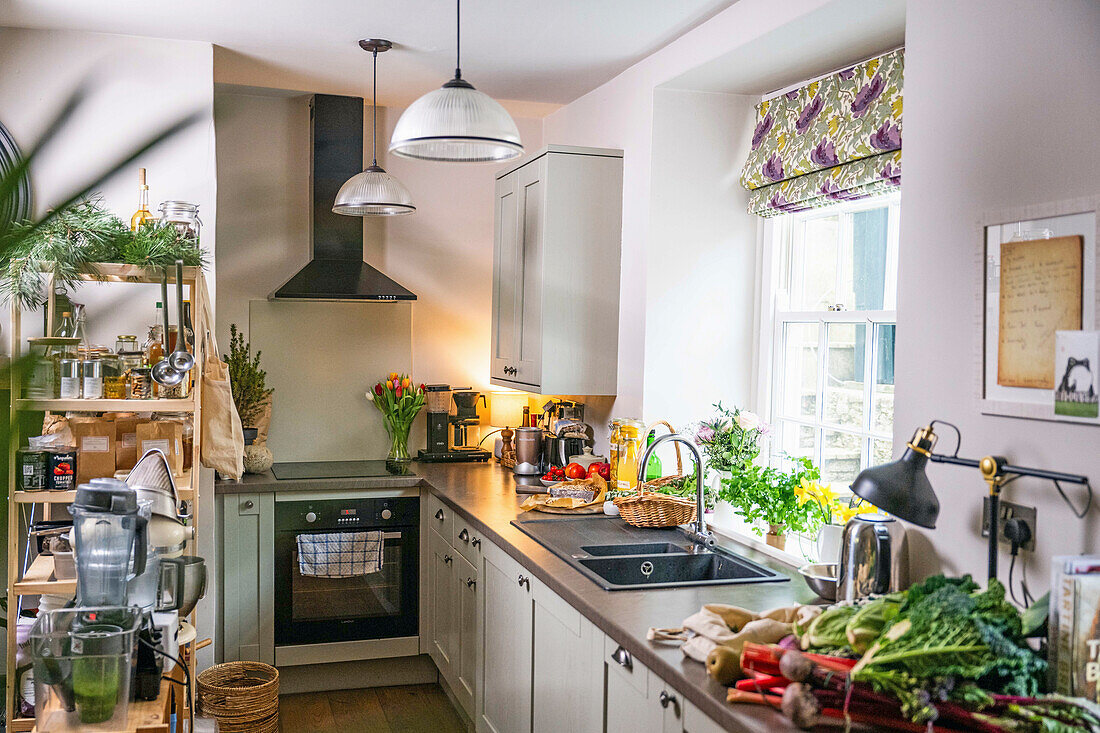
(731, 442)
(764, 495)
(249, 382)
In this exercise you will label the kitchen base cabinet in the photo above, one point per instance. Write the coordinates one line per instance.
(441, 617)
(246, 542)
(568, 672)
(452, 618)
(504, 669)
(638, 700)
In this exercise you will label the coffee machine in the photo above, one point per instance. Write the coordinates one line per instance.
(448, 434)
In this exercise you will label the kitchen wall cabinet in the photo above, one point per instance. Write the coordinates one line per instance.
(556, 264)
(246, 542)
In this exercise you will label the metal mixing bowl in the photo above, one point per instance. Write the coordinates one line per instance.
(821, 577)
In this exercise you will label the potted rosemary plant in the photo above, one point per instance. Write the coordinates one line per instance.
(250, 391)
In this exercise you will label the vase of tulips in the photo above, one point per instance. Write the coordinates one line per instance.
(399, 400)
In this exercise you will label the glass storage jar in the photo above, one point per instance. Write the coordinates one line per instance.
(187, 431)
(184, 217)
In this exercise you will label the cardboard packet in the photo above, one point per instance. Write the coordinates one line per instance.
(164, 436)
(95, 447)
(126, 445)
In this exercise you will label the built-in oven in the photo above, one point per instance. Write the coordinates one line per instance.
(349, 595)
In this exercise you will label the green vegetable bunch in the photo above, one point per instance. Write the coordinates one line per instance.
(75, 238)
(772, 495)
(686, 487)
(247, 379)
(948, 632)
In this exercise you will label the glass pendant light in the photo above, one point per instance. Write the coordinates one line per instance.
(456, 123)
(373, 192)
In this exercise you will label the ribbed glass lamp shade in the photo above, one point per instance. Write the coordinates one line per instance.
(373, 193)
(456, 123)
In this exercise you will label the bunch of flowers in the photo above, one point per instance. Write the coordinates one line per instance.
(731, 439)
(399, 400)
(825, 507)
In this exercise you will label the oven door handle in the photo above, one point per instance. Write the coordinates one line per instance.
(391, 535)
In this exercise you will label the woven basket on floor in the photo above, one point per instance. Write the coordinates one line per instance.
(647, 508)
(242, 696)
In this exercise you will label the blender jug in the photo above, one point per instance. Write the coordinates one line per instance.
(108, 532)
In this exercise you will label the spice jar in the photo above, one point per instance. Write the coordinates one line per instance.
(183, 216)
(141, 383)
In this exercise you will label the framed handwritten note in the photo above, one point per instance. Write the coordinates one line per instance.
(1040, 294)
(1041, 274)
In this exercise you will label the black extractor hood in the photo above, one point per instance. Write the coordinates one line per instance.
(336, 270)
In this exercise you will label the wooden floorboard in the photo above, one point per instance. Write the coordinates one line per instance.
(405, 709)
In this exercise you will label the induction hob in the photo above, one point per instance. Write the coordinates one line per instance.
(331, 469)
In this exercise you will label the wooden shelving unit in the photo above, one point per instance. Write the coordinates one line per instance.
(39, 577)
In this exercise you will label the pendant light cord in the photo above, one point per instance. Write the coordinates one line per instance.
(458, 39)
(374, 115)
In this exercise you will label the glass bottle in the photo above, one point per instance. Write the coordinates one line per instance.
(66, 328)
(653, 469)
(80, 317)
(142, 214)
(153, 346)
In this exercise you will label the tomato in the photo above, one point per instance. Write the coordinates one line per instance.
(557, 472)
(575, 471)
(603, 470)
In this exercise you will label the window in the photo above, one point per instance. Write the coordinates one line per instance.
(828, 324)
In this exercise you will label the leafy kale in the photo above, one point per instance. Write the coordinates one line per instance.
(948, 630)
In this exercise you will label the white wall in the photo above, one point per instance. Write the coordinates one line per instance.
(1001, 103)
(701, 257)
(138, 86)
(443, 252)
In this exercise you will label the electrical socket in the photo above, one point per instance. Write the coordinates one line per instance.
(1010, 511)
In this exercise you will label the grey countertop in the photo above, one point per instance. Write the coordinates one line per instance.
(485, 495)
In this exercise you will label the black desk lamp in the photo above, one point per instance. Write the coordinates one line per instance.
(901, 488)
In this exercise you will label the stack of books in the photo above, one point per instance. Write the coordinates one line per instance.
(1074, 643)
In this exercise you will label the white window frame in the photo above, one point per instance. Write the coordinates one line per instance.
(772, 316)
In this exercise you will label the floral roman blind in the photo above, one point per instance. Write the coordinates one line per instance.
(835, 139)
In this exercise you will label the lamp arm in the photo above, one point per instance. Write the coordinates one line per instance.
(1009, 469)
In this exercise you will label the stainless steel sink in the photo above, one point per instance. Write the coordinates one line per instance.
(665, 571)
(618, 557)
(635, 548)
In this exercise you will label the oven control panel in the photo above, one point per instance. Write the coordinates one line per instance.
(347, 513)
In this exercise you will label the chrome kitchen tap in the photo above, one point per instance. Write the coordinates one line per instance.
(699, 534)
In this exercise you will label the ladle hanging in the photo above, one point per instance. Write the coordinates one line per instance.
(181, 359)
(163, 372)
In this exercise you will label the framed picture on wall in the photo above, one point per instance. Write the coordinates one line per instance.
(1039, 267)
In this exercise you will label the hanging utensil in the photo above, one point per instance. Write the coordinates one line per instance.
(181, 359)
(163, 372)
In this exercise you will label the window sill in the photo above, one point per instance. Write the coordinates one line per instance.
(741, 534)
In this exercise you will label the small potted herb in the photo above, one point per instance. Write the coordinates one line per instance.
(248, 380)
(776, 498)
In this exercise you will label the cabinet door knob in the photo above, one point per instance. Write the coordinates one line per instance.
(525, 581)
(470, 582)
(464, 535)
(448, 559)
(439, 514)
(667, 699)
(622, 657)
(476, 542)
(248, 504)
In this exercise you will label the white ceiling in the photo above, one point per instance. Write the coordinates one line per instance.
(532, 50)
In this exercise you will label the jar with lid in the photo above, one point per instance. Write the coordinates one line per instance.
(187, 431)
(44, 375)
(141, 383)
(184, 217)
(631, 437)
(91, 370)
(126, 342)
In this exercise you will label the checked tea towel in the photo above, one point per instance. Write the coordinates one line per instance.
(339, 554)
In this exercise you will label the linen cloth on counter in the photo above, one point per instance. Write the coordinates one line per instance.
(340, 554)
(732, 626)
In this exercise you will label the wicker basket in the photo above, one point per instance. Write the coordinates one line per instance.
(647, 508)
(242, 696)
